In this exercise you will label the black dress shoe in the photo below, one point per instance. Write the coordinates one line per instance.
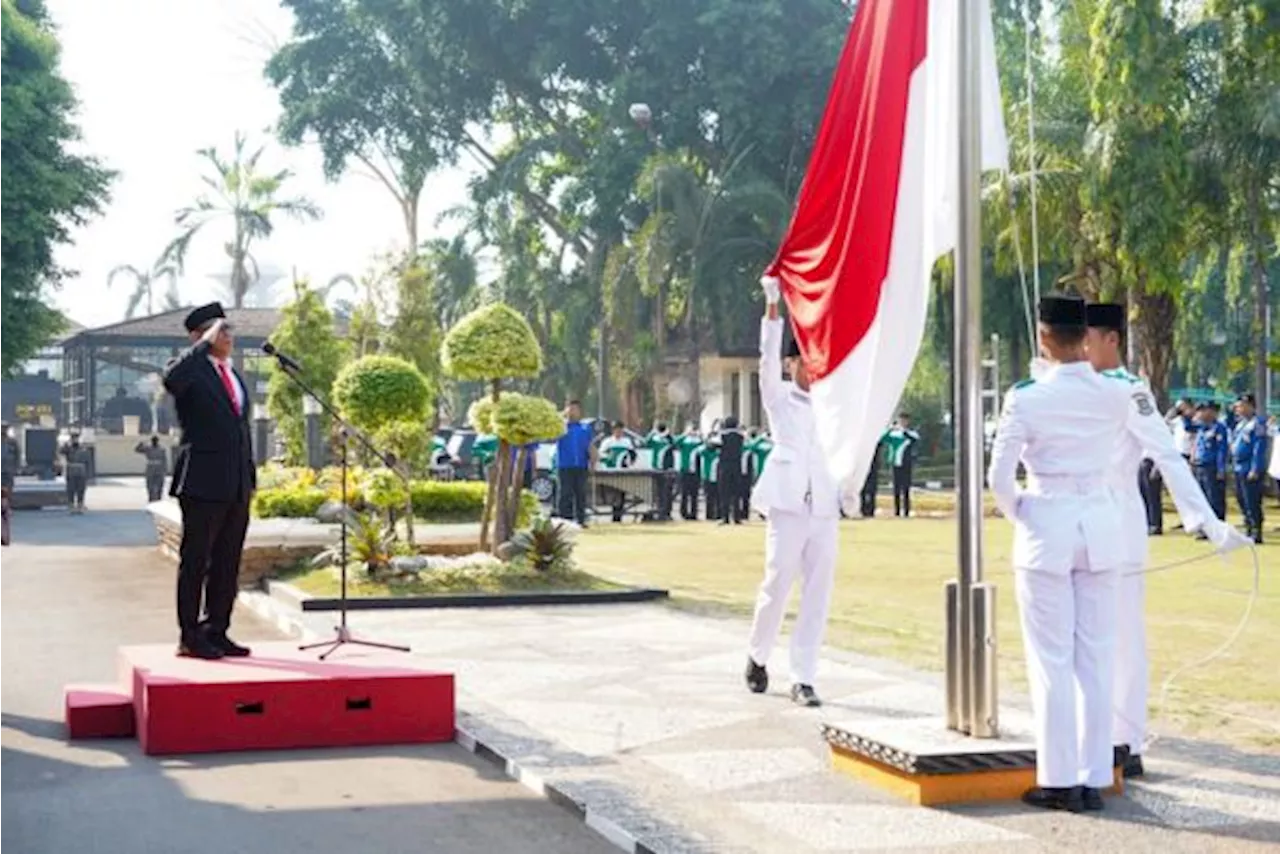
(1049, 798)
(757, 677)
(226, 646)
(804, 695)
(1091, 798)
(1133, 766)
(199, 648)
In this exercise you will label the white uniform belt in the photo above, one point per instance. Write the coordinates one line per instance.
(1065, 484)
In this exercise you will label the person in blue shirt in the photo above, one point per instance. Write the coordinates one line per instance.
(575, 453)
(1248, 462)
(1209, 455)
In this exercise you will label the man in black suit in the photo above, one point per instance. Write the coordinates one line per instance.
(732, 480)
(213, 480)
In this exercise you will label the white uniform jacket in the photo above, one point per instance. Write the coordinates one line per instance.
(1063, 427)
(795, 478)
(1148, 435)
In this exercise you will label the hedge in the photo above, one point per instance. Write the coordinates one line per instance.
(433, 501)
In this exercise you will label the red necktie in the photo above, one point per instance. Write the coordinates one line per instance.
(230, 386)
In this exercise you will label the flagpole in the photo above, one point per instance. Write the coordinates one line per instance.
(971, 676)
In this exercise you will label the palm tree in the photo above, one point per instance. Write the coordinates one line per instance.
(144, 285)
(246, 195)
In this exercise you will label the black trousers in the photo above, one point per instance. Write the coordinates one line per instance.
(689, 487)
(902, 490)
(209, 563)
(155, 487)
(868, 496)
(1249, 497)
(571, 494)
(666, 494)
(76, 486)
(1151, 485)
(1214, 489)
(712, 490)
(731, 496)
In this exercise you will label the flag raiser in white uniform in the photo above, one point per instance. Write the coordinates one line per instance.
(801, 503)
(1072, 539)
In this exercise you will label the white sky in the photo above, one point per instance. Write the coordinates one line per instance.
(159, 79)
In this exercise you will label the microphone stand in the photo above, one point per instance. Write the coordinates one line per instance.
(345, 431)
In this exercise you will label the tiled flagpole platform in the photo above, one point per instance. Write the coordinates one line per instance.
(636, 718)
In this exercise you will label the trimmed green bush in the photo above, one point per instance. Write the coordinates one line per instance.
(288, 502)
(520, 419)
(491, 343)
(374, 391)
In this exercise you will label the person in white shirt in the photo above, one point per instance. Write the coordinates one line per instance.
(801, 503)
(1068, 549)
(1148, 437)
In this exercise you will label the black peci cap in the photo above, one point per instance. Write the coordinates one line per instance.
(1105, 315)
(1061, 310)
(202, 315)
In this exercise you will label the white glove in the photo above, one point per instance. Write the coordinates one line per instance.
(1039, 367)
(1226, 538)
(772, 289)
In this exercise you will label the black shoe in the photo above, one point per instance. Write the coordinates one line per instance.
(1047, 798)
(1133, 766)
(1154, 532)
(227, 646)
(757, 677)
(199, 647)
(1091, 799)
(804, 695)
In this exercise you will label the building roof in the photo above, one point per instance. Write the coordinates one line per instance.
(251, 323)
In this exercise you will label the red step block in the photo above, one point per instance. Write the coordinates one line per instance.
(282, 698)
(98, 711)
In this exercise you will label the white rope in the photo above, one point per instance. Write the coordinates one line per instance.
(1222, 650)
(1031, 156)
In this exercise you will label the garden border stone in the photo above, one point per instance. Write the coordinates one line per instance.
(290, 596)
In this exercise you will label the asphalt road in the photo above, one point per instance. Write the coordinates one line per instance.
(75, 588)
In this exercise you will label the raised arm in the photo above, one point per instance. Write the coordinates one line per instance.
(772, 389)
(1006, 450)
(181, 371)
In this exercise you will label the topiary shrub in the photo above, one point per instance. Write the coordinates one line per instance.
(480, 415)
(491, 343)
(520, 419)
(288, 502)
(374, 391)
(410, 441)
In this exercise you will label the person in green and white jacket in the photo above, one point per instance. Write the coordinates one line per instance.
(900, 443)
(687, 446)
(661, 447)
(617, 452)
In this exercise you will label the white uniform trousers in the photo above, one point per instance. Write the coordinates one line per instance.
(1068, 631)
(796, 543)
(1132, 675)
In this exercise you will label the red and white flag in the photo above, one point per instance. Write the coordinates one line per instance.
(877, 208)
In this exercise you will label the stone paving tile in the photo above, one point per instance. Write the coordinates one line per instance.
(861, 827)
(638, 712)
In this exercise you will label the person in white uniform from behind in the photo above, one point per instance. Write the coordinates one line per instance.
(801, 504)
(1067, 550)
(1147, 433)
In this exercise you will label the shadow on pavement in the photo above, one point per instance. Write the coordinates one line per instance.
(120, 801)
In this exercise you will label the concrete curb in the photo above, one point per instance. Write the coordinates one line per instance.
(287, 596)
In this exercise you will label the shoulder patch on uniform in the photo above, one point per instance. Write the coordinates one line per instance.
(1122, 374)
(1023, 384)
(1145, 406)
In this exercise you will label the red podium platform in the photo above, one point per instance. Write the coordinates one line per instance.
(281, 698)
(98, 711)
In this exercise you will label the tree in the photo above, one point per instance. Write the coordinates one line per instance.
(144, 285)
(490, 345)
(250, 198)
(521, 421)
(414, 335)
(305, 332)
(48, 189)
(374, 391)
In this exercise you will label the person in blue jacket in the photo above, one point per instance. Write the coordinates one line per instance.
(1209, 455)
(1248, 462)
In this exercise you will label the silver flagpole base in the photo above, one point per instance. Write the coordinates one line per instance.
(984, 711)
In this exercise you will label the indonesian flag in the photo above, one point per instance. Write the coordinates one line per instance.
(877, 208)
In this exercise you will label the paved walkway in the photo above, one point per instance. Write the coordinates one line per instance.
(637, 713)
(74, 588)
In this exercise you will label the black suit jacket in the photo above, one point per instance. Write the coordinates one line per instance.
(215, 460)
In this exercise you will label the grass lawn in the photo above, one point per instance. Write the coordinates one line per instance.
(889, 602)
(324, 581)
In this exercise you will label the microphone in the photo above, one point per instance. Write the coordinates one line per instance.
(286, 362)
